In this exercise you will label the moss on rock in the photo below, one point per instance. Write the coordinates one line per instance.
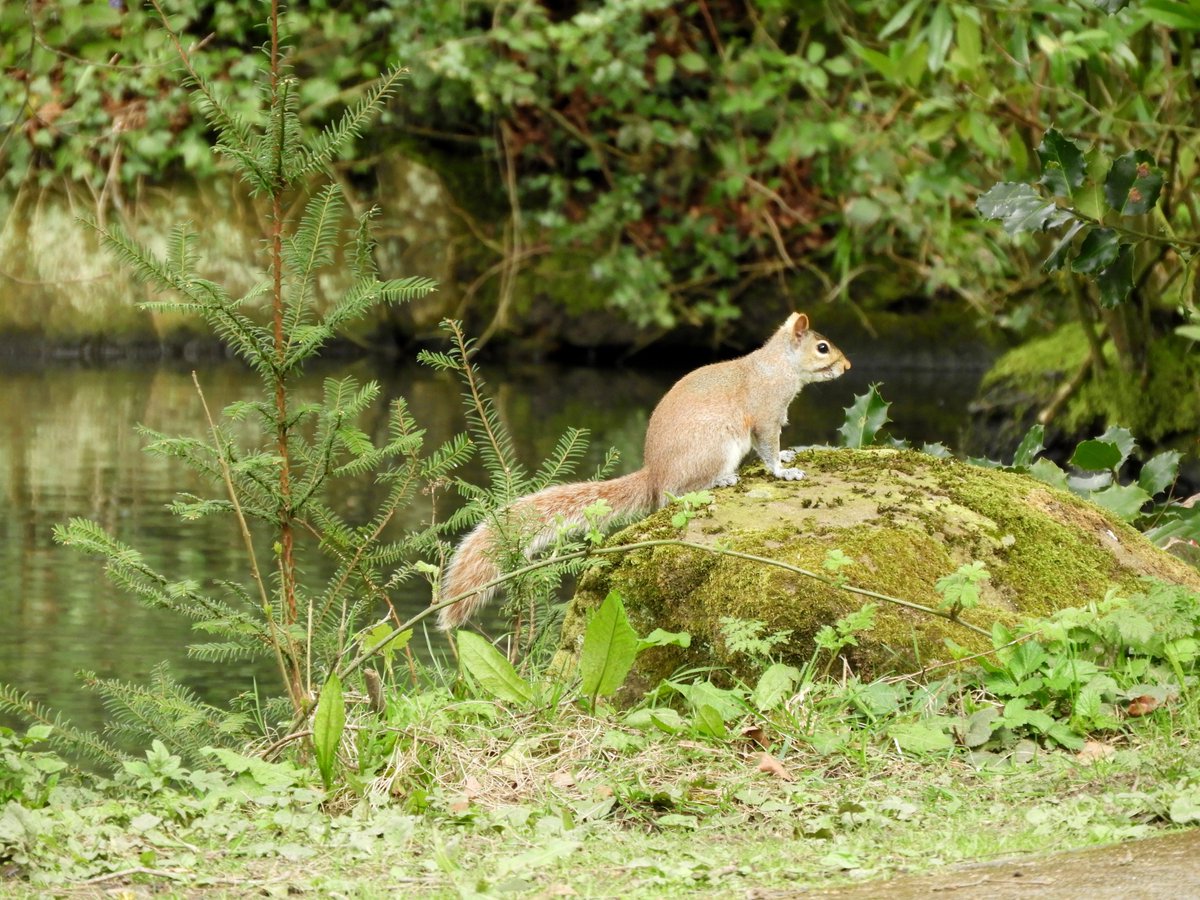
(906, 519)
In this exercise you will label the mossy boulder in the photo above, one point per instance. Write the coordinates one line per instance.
(906, 519)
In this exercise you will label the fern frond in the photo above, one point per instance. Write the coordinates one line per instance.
(64, 736)
(323, 148)
(563, 460)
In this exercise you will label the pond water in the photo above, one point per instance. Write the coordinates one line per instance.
(69, 447)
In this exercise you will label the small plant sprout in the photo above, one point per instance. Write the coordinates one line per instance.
(689, 505)
(835, 561)
(596, 515)
(960, 589)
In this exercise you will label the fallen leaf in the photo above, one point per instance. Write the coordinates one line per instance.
(602, 792)
(1094, 750)
(563, 779)
(1142, 705)
(458, 807)
(756, 734)
(471, 787)
(769, 764)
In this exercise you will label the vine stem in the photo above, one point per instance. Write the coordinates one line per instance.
(355, 664)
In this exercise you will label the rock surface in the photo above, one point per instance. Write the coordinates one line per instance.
(906, 519)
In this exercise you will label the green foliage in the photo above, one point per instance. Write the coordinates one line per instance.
(689, 505)
(489, 668)
(960, 590)
(329, 723)
(610, 646)
(27, 776)
(864, 419)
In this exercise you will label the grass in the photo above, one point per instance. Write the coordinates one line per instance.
(481, 799)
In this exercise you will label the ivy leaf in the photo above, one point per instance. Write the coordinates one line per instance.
(1116, 281)
(1019, 206)
(1159, 472)
(1062, 163)
(1031, 445)
(1133, 183)
(1098, 251)
(1123, 500)
(864, 418)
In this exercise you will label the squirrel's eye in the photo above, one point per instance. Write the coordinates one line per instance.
(822, 347)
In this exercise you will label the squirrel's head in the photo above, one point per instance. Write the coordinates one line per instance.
(817, 359)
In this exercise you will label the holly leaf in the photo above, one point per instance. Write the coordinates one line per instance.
(1019, 206)
(864, 418)
(1125, 501)
(1031, 445)
(1097, 456)
(1116, 281)
(1133, 183)
(1098, 251)
(1058, 256)
(1159, 472)
(1062, 163)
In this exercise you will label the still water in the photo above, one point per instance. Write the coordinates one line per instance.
(69, 446)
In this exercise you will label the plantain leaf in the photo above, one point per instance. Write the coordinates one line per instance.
(491, 670)
(610, 646)
(328, 725)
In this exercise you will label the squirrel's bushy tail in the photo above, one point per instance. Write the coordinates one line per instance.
(474, 562)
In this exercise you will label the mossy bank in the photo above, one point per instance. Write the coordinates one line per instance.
(906, 519)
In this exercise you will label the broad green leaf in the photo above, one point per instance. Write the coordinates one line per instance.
(1046, 471)
(1058, 256)
(1062, 163)
(900, 19)
(1191, 332)
(1185, 809)
(864, 418)
(705, 693)
(328, 725)
(610, 646)
(1133, 183)
(918, 738)
(1123, 438)
(1171, 13)
(708, 722)
(491, 670)
(1111, 6)
(1116, 281)
(1097, 252)
(1123, 500)
(1096, 455)
(1177, 523)
(660, 638)
(775, 685)
(1018, 205)
(1031, 445)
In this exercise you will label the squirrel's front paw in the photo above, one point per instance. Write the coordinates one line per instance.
(789, 474)
(725, 480)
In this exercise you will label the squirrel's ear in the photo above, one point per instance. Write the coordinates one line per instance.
(800, 325)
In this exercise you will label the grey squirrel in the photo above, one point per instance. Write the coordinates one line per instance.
(698, 435)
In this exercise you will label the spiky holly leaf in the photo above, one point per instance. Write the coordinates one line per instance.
(1133, 183)
(1063, 164)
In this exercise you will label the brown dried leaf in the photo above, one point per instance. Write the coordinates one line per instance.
(1094, 750)
(1142, 705)
(769, 764)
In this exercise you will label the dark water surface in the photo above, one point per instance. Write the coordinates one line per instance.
(69, 447)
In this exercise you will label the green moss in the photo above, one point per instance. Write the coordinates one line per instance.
(906, 519)
(1163, 404)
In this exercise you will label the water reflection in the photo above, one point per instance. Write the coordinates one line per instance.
(68, 447)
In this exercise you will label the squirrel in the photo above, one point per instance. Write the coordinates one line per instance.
(697, 437)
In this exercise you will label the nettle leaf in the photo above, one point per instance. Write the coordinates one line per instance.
(1133, 183)
(1116, 281)
(864, 418)
(1019, 206)
(1098, 251)
(1097, 455)
(1063, 165)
